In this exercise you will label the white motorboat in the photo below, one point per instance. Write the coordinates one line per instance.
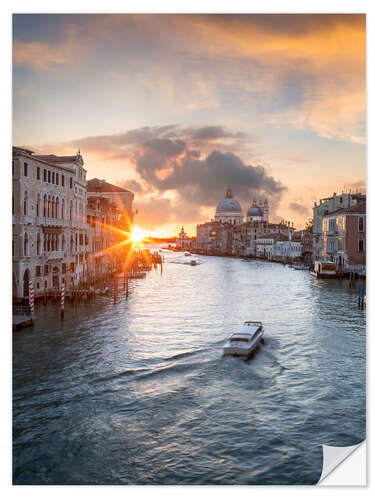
(193, 262)
(187, 254)
(245, 340)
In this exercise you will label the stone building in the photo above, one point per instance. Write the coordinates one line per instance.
(228, 234)
(122, 198)
(325, 207)
(344, 236)
(105, 230)
(49, 243)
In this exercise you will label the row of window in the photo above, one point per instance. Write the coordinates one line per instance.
(332, 225)
(51, 243)
(48, 176)
(46, 269)
(51, 207)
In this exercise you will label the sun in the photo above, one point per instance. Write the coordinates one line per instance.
(137, 235)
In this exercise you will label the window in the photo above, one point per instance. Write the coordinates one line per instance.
(63, 209)
(45, 270)
(72, 267)
(38, 173)
(361, 245)
(71, 182)
(49, 176)
(360, 224)
(13, 169)
(81, 239)
(38, 244)
(53, 177)
(332, 225)
(45, 175)
(25, 169)
(38, 205)
(63, 268)
(37, 271)
(63, 180)
(25, 203)
(57, 179)
(25, 245)
(45, 206)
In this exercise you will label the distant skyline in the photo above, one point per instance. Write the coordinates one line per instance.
(179, 107)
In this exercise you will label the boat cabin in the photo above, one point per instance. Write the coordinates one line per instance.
(325, 267)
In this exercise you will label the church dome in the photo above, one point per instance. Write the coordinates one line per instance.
(254, 211)
(229, 205)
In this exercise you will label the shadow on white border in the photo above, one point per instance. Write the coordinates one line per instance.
(352, 462)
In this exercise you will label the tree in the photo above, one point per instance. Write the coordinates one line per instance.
(309, 225)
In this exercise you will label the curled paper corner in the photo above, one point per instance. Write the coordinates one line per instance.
(355, 470)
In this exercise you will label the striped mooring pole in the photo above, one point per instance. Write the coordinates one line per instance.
(62, 301)
(31, 299)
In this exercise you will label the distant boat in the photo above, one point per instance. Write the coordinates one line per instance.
(301, 267)
(246, 340)
(193, 262)
(187, 254)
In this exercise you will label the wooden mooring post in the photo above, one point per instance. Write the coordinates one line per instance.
(62, 301)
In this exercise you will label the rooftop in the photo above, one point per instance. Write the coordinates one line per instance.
(359, 208)
(97, 186)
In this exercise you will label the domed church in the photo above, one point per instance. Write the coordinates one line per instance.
(258, 212)
(229, 210)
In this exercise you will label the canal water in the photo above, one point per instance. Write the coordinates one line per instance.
(138, 392)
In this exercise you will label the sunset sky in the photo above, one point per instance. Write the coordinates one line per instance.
(179, 107)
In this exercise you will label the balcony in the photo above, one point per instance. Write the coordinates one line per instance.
(27, 219)
(46, 221)
(56, 254)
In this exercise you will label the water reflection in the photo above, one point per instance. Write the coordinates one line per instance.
(138, 391)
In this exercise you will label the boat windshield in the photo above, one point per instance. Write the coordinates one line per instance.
(239, 339)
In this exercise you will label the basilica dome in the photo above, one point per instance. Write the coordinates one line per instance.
(229, 210)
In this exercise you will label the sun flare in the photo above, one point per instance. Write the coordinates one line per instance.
(137, 234)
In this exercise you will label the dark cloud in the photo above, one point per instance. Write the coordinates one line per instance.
(299, 209)
(203, 180)
(215, 132)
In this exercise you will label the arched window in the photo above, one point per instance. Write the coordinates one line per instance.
(63, 209)
(25, 203)
(70, 210)
(57, 208)
(71, 244)
(38, 205)
(63, 243)
(26, 245)
(49, 207)
(38, 244)
(53, 208)
(45, 205)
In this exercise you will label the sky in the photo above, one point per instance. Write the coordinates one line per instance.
(177, 108)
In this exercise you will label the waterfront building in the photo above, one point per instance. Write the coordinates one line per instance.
(344, 237)
(105, 222)
(49, 243)
(214, 238)
(325, 207)
(229, 235)
(184, 242)
(122, 198)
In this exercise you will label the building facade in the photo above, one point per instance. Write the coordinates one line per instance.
(50, 244)
(119, 197)
(344, 237)
(325, 207)
(60, 234)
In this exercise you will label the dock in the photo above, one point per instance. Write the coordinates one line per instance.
(21, 321)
